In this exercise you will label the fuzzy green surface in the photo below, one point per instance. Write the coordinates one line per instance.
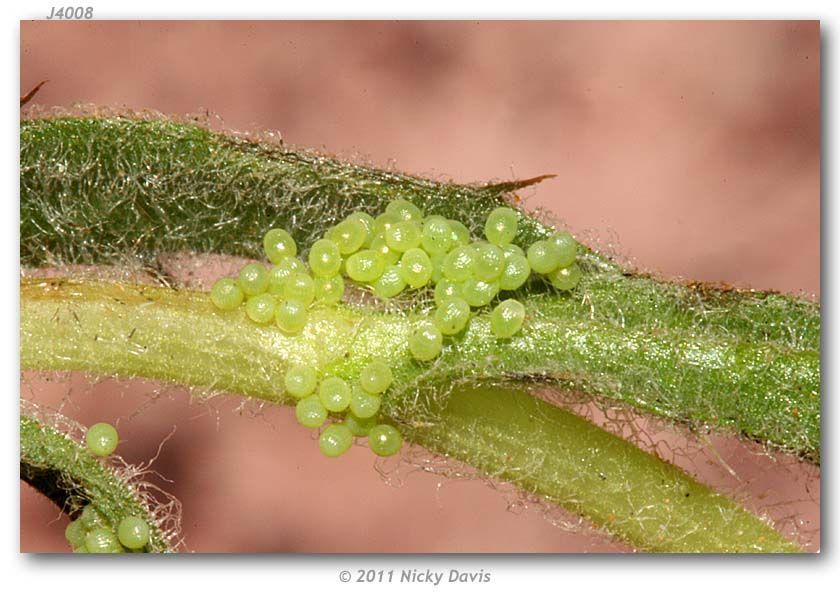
(763, 390)
(130, 178)
(60, 467)
(563, 458)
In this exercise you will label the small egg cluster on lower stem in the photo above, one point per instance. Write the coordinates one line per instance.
(91, 532)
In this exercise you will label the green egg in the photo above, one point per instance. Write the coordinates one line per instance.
(359, 427)
(437, 235)
(384, 222)
(500, 227)
(452, 316)
(416, 268)
(92, 518)
(458, 264)
(330, 291)
(511, 249)
(310, 413)
(384, 440)
(75, 533)
(102, 541)
(349, 236)
(446, 290)
(376, 377)
(403, 236)
(260, 309)
(363, 404)
(390, 284)
(488, 261)
(324, 258)
(507, 318)
(425, 342)
(516, 273)
(299, 286)
(291, 316)
(404, 210)
(437, 267)
(388, 254)
(277, 244)
(367, 222)
(102, 439)
(335, 394)
(365, 266)
(566, 247)
(479, 293)
(460, 233)
(133, 533)
(335, 440)
(280, 272)
(226, 294)
(253, 279)
(566, 278)
(301, 381)
(543, 257)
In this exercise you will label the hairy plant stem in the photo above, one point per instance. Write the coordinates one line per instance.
(177, 336)
(110, 190)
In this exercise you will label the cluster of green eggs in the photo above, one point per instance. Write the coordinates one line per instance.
(397, 250)
(359, 402)
(91, 532)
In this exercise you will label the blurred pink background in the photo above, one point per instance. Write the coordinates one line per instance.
(691, 149)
